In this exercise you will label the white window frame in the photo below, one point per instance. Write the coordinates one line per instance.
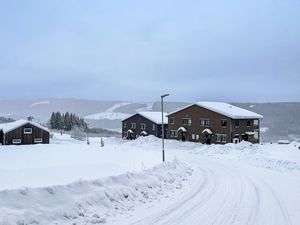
(143, 126)
(124, 125)
(193, 136)
(205, 122)
(38, 140)
(197, 136)
(173, 133)
(172, 120)
(17, 141)
(189, 121)
(221, 138)
(133, 125)
(256, 122)
(153, 127)
(27, 132)
(225, 121)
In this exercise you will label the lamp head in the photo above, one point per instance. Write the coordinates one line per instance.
(165, 95)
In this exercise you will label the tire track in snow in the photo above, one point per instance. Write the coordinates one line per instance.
(223, 196)
(198, 188)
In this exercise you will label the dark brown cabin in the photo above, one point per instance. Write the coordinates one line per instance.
(144, 124)
(214, 122)
(23, 132)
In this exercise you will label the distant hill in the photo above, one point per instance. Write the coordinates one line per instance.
(281, 120)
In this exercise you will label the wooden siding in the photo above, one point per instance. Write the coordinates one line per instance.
(26, 139)
(196, 113)
(138, 120)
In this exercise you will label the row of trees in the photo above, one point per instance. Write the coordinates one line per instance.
(67, 121)
(6, 120)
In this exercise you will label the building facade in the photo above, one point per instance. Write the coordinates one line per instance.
(214, 122)
(143, 124)
(23, 132)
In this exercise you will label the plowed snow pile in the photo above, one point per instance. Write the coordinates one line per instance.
(90, 202)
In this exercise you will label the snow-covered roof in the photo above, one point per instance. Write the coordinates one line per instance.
(7, 127)
(153, 116)
(226, 109)
(181, 129)
(207, 131)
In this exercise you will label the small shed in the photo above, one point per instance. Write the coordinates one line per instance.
(23, 132)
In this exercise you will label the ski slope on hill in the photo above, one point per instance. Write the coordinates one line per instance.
(218, 184)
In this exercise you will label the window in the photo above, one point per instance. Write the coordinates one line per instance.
(124, 125)
(187, 121)
(221, 138)
(171, 121)
(173, 133)
(197, 136)
(16, 141)
(248, 123)
(143, 126)
(133, 125)
(237, 123)
(153, 127)
(255, 122)
(223, 123)
(38, 140)
(193, 136)
(256, 135)
(27, 130)
(204, 122)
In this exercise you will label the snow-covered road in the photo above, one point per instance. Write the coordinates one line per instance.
(125, 183)
(223, 192)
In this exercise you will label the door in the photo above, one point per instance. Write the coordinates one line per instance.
(183, 136)
(208, 139)
(1, 137)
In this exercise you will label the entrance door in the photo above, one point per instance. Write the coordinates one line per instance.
(1, 137)
(183, 136)
(208, 139)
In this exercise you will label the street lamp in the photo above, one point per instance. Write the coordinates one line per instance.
(162, 125)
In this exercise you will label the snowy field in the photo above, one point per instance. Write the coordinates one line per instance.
(70, 182)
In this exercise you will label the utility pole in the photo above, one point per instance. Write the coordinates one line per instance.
(162, 125)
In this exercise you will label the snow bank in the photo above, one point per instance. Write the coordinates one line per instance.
(77, 203)
(275, 164)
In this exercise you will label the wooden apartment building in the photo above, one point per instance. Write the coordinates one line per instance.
(214, 122)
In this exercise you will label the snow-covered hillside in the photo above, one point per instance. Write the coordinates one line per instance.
(108, 114)
(124, 182)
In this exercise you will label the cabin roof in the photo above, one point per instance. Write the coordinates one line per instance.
(7, 127)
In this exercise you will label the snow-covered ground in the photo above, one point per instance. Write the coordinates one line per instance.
(70, 182)
(110, 113)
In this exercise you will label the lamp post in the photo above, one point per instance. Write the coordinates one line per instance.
(162, 125)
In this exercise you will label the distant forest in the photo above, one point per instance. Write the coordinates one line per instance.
(66, 121)
(6, 120)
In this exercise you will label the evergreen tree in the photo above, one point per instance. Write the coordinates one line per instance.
(66, 121)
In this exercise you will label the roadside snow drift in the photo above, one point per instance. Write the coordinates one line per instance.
(90, 202)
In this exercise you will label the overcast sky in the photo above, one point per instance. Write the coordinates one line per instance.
(221, 50)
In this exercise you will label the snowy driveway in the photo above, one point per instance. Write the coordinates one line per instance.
(225, 191)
